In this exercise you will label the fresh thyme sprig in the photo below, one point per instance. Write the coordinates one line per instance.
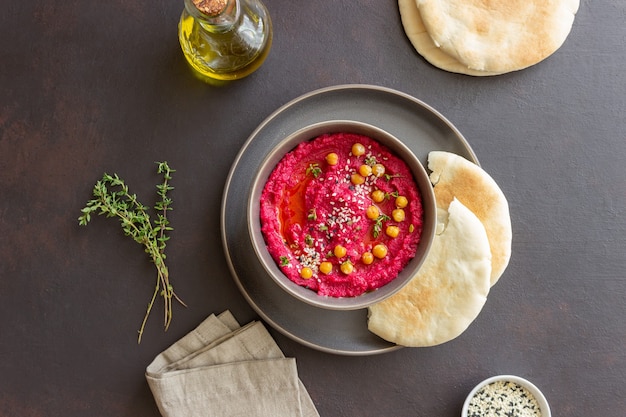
(113, 199)
(314, 169)
(378, 224)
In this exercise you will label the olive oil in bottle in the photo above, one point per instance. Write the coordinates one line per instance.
(225, 39)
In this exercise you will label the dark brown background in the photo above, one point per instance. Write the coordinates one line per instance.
(88, 87)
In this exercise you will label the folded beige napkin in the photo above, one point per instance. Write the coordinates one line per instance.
(223, 369)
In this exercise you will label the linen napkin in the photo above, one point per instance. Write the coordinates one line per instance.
(223, 369)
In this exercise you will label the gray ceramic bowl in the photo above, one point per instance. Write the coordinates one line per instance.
(258, 242)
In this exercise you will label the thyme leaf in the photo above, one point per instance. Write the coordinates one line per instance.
(370, 160)
(314, 169)
(378, 224)
(393, 194)
(389, 177)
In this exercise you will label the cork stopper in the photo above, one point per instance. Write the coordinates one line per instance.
(210, 7)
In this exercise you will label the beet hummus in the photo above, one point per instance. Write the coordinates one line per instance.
(341, 215)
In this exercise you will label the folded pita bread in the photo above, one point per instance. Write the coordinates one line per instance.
(447, 293)
(487, 37)
(454, 177)
(424, 45)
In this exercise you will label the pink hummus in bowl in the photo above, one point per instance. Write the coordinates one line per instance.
(342, 214)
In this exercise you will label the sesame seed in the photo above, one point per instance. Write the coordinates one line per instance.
(503, 399)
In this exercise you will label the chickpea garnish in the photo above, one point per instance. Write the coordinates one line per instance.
(326, 267)
(398, 215)
(392, 231)
(378, 196)
(367, 258)
(365, 170)
(357, 179)
(358, 149)
(306, 273)
(332, 158)
(340, 251)
(372, 212)
(379, 251)
(401, 201)
(347, 267)
(378, 170)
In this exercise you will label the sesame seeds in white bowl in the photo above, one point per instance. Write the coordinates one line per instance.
(503, 396)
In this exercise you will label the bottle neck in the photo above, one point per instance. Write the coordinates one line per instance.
(221, 18)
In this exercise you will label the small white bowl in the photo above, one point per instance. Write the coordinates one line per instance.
(544, 408)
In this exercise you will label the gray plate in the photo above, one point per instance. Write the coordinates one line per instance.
(418, 125)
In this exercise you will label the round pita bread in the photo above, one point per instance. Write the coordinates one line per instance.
(487, 37)
(455, 177)
(448, 292)
(424, 45)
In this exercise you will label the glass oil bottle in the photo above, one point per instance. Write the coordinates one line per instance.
(225, 39)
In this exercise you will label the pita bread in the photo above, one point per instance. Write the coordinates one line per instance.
(424, 45)
(447, 293)
(487, 37)
(455, 177)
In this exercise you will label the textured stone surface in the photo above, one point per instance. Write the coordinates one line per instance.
(86, 89)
